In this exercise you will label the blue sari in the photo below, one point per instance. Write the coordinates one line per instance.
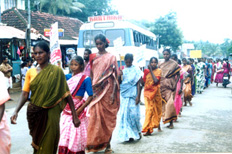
(128, 119)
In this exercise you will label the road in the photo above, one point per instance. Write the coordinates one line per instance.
(204, 127)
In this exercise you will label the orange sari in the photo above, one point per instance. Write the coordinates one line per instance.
(168, 89)
(153, 101)
(102, 120)
(187, 84)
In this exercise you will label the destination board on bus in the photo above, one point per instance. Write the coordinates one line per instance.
(105, 18)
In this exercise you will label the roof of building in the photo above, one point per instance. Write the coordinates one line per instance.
(8, 32)
(40, 21)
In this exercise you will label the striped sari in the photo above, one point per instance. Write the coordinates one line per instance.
(168, 89)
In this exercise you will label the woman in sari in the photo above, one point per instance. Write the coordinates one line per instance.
(105, 104)
(152, 97)
(5, 141)
(191, 60)
(200, 76)
(128, 119)
(169, 79)
(72, 139)
(219, 71)
(187, 82)
(49, 94)
(178, 97)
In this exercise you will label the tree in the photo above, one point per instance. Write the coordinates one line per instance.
(81, 9)
(58, 7)
(208, 49)
(167, 30)
(93, 8)
(226, 47)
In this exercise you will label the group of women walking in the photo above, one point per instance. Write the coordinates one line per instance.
(76, 113)
(72, 113)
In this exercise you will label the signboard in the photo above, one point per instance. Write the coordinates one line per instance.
(48, 31)
(140, 57)
(195, 54)
(70, 51)
(105, 18)
(118, 43)
(54, 45)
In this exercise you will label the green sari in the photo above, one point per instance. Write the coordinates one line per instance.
(48, 90)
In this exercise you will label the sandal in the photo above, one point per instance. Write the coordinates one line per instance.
(140, 136)
(108, 151)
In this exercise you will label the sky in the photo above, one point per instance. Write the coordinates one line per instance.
(206, 20)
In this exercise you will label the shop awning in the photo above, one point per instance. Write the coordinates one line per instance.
(8, 32)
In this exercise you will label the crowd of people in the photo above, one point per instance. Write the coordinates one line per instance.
(78, 112)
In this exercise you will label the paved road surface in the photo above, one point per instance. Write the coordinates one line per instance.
(204, 127)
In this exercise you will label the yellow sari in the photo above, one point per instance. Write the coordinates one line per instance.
(153, 101)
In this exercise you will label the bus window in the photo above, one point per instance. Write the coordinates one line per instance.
(88, 37)
(136, 38)
(113, 34)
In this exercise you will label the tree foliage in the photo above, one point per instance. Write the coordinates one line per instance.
(167, 30)
(80, 9)
(213, 49)
(93, 7)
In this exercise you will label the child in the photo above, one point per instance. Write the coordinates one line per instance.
(72, 139)
(24, 68)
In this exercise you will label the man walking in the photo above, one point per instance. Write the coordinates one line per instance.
(6, 69)
(87, 64)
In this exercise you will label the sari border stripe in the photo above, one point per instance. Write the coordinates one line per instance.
(96, 148)
(174, 72)
(170, 119)
(57, 102)
(34, 146)
(163, 100)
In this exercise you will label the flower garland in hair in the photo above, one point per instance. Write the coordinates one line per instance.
(107, 40)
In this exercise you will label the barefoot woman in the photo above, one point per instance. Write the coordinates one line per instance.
(49, 94)
(169, 78)
(152, 97)
(105, 104)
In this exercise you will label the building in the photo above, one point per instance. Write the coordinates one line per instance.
(185, 49)
(40, 21)
(8, 4)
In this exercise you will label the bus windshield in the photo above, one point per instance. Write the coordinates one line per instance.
(111, 34)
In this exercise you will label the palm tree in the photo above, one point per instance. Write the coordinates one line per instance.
(60, 6)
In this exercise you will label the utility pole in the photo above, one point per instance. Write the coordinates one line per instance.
(28, 32)
(0, 14)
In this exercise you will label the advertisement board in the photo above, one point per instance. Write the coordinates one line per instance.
(195, 53)
(54, 45)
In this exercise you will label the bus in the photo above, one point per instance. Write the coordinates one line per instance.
(134, 39)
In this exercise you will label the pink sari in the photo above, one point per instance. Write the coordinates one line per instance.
(72, 139)
(178, 99)
(87, 69)
(5, 140)
(102, 120)
(219, 75)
